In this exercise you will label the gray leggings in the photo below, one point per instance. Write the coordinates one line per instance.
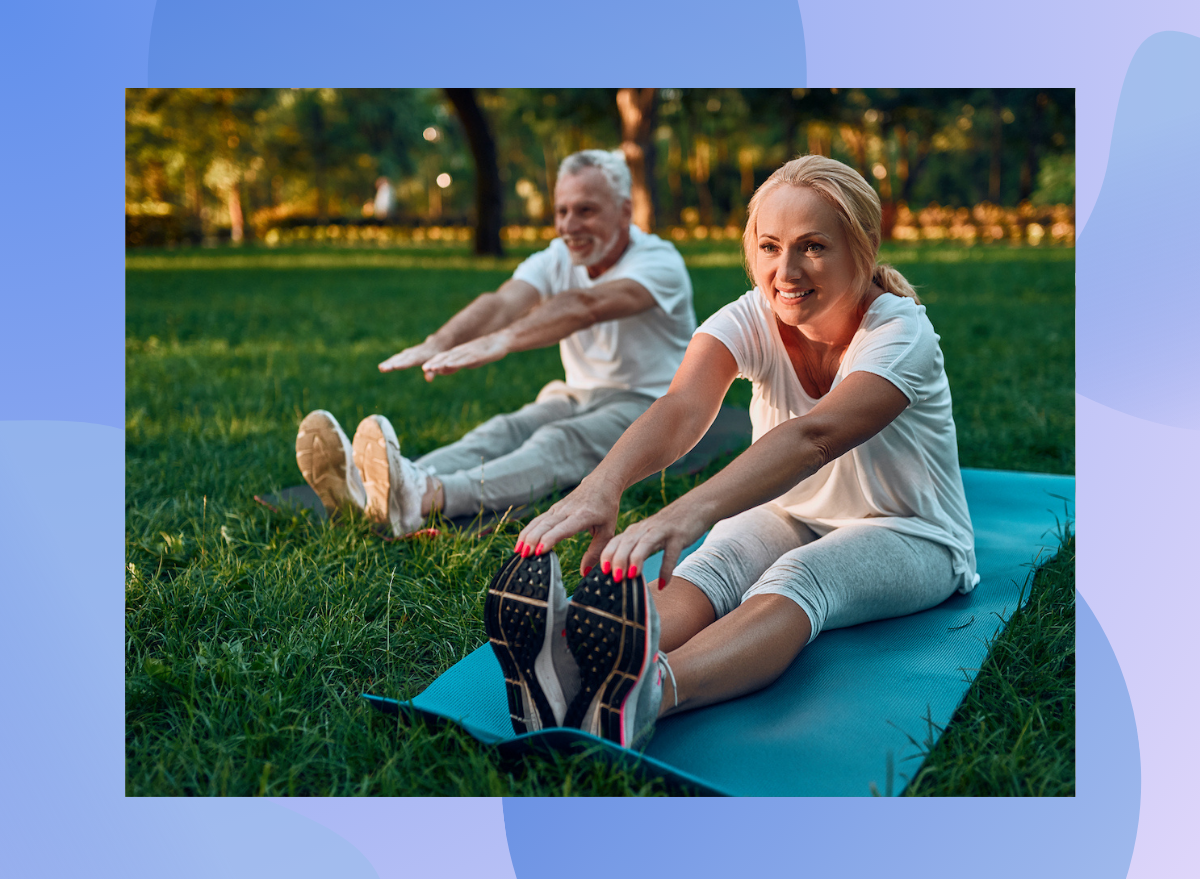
(550, 444)
(852, 575)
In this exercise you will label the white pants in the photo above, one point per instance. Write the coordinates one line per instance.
(852, 575)
(550, 444)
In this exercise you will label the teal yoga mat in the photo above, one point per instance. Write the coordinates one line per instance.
(839, 721)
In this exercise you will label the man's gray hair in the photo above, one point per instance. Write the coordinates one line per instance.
(611, 164)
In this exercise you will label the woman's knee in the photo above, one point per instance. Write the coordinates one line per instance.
(794, 583)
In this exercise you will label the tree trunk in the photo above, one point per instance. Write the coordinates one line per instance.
(887, 201)
(488, 201)
(236, 222)
(551, 162)
(637, 107)
(916, 159)
(996, 168)
(820, 140)
(789, 128)
(674, 177)
(699, 166)
(856, 142)
(1029, 167)
(319, 149)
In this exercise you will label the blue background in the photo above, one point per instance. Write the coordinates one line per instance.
(62, 414)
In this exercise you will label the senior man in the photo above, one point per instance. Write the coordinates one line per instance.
(617, 301)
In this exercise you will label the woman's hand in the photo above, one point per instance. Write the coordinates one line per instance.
(591, 507)
(672, 530)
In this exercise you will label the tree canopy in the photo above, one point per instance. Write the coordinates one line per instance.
(246, 160)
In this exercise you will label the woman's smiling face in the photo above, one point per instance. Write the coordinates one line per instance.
(802, 259)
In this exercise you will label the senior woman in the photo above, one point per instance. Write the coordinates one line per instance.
(847, 507)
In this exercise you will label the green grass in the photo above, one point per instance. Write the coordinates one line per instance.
(250, 634)
(1028, 749)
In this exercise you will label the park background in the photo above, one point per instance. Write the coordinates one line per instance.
(300, 166)
(264, 280)
(1134, 76)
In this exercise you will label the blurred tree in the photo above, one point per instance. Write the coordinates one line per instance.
(489, 207)
(199, 161)
(178, 139)
(1055, 181)
(637, 109)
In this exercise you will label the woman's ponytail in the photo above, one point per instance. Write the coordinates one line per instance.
(891, 280)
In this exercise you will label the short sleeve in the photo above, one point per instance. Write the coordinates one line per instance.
(900, 345)
(539, 270)
(740, 327)
(659, 268)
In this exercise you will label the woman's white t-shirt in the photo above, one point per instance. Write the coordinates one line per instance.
(906, 477)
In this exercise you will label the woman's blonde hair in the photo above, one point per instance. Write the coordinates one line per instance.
(856, 205)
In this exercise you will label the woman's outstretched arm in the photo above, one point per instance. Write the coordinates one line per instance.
(667, 431)
(857, 409)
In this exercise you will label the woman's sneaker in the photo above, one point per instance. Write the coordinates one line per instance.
(524, 616)
(394, 485)
(612, 630)
(326, 460)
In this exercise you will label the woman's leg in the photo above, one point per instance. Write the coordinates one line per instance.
(711, 582)
(737, 654)
(850, 576)
(683, 611)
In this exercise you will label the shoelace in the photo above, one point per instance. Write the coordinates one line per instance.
(662, 659)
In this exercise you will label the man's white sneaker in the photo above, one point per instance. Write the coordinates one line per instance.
(525, 618)
(326, 460)
(394, 485)
(612, 630)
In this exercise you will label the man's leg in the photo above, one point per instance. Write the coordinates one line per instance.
(555, 456)
(497, 436)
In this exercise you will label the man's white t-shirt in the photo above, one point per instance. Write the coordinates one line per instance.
(641, 352)
(906, 477)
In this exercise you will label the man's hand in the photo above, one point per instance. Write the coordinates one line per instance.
(478, 352)
(417, 355)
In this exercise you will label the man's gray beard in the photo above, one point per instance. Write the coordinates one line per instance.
(599, 253)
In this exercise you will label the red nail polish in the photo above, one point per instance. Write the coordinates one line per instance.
(617, 575)
(540, 549)
(662, 584)
(587, 570)
(605, 567)
(517, 548)
(633, 570)
(526, 551)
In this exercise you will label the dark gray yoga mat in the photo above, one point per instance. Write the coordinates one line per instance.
(844, 712)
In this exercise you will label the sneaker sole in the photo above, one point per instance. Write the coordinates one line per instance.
(606, 632)
(517, 619)
(322, 459)
(374, 442)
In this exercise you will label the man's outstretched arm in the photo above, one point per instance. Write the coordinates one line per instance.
(487, 313)
(548, 323)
